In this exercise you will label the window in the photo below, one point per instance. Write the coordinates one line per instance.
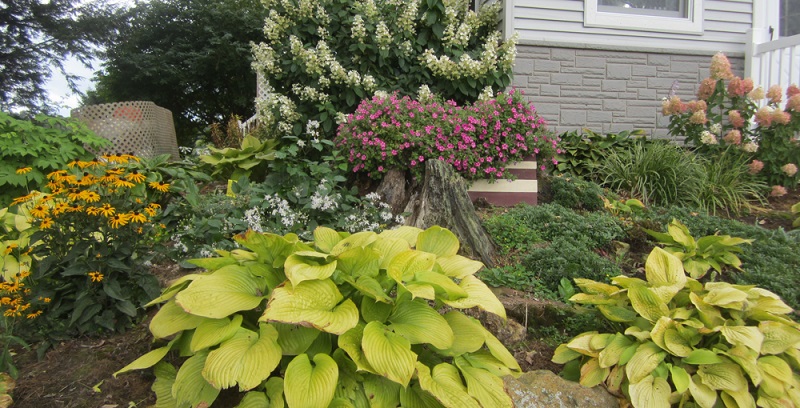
(790, 17)
(673, 16)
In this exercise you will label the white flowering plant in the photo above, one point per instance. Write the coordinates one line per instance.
(320, 58)
(731, 113)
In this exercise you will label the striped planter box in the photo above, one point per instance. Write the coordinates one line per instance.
(508, 193)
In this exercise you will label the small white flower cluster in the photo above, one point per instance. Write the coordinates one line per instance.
(708, 138)
(253, 219)
(358, 31)
(384, 37)
(424, 94)
(322, 201)
(486, 94)
(405, 22)
(381, 94)
(467, 67)
(277, 109)
(750, 147)
(716, 128)
(308, 93)
(280, 208)
(275, 25)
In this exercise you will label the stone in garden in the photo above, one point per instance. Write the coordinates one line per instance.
(543, 389)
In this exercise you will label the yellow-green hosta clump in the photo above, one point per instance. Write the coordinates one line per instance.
(687, 344)
(345, 320)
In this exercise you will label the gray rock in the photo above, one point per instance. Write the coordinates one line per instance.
(543, 389)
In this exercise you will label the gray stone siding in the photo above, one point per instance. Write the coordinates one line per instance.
(607, 90)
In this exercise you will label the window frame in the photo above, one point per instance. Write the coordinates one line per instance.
(692, 24)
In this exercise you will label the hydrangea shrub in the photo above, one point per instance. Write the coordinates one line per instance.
(321, 58)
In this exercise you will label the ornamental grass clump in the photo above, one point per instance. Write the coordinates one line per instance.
(478, 140)
(733, 112)
(96, 221)
(685, 343)
(345, 320)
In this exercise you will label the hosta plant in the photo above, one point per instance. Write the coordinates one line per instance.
(686, 343)
(250, 159)
(344, 320)
(699, 256)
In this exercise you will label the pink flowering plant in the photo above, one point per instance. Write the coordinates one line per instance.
(478, 140)
(732, 113)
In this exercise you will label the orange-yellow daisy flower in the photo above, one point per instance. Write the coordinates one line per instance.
(120, 183)
(60, 208)
(160, 186)
(10, 247)
(46, 223)
(150, 211)
(24, 199)
(136, 216)
(74, 163)
(96, 276)
(75, 207)
(24, 170)
(107, 210)
(40, 211)
(118, 220)
(90, 196)
(92, 210)
(57, 175)
(135, 176)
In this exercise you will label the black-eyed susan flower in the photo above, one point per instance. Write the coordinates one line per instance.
(92, 210)
(73, 163)
(24, 199)
(24, 170)
(159, 186)
(46, 223)
(90, 196)
(129, 156)
(136, 216)
(107, 210)
(10, 247)
(75, 207)
(60, 208)
(56, 175)
(118, 220)
(95, 276)
(40, 211)
(135, 177)
(120, 183)
(34, 314)
(150, 211)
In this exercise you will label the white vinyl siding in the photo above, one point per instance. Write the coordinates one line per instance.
(562, 21)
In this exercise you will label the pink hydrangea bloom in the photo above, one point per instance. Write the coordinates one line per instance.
(793, 104)
(792, 90)
(789, 169)
(764, 116)
(699, 118)
(778, 191)
(756, 94)
(755, 166)
(706, 88)
(733, 137)
(720, 67)
(736, 119)
(736, 87)
(775, 94)
(780, 117)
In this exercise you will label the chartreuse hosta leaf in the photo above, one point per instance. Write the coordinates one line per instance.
(307, 385)
(438, 241)
(360, 239)
(294, 339)
(271, 249)
(665, 274)
(445, 384)
(171, 319)
(351, 342)
(326, 238)
(359, 261)
(389, 354)
(420, 323)
(482, 385)
(610, 355)
(381, 392)
(406, 233)
(776, 376)
(722, 376)
(650, 392)
(592, 374)
(210, 332)
(245, 359)
(226, 291)
(457, 266)
(315, 303)
(647, 357)
(149, 359)
(748, 336)
(309, 265)
(405, 264)
(414, 396)
(175, 286)
(388, 248)
(468, 334)
(190, 387)
(647, 303)
(666, 335)
(478, 294)
(778, 337)
(374, 310)
(680, 378)
(442, 284)
(165, 376)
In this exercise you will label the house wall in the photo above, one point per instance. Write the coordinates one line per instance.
(607, 90)
(614, 79)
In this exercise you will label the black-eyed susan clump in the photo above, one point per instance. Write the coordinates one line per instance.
(17, 306)
(96, 221)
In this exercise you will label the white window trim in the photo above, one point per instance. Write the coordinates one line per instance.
(592, 17)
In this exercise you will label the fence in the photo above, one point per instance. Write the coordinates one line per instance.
(137, 127)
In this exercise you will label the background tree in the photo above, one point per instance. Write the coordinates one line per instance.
(38, 36)
(192, 57)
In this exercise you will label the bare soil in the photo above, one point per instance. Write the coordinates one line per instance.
(78, 373)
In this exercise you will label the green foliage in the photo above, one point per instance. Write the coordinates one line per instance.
(727, 185)
(552, 221)
(573, 192)
(686, 342)
(699, 256)
(656, 173)
(478, 140)
(796, 211)
(771, 261)
(249, 160)
(582, 152)
(510, 235)
(517, 277)
(191, 57)
(320, 59)
(30, 149)
(567, 258)
(356, 305)
(623, 208)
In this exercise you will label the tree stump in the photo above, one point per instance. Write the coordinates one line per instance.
(443, 201)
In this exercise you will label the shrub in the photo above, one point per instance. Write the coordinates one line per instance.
(321, 58)
(30, 149)
(95, 226)
(722, 115)
(478, 140)
(685, 342)
(356, 305)
(509, 234)
(567, 258)
(573, 193)
(552, 221)
(582, 152)
(656, 173)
